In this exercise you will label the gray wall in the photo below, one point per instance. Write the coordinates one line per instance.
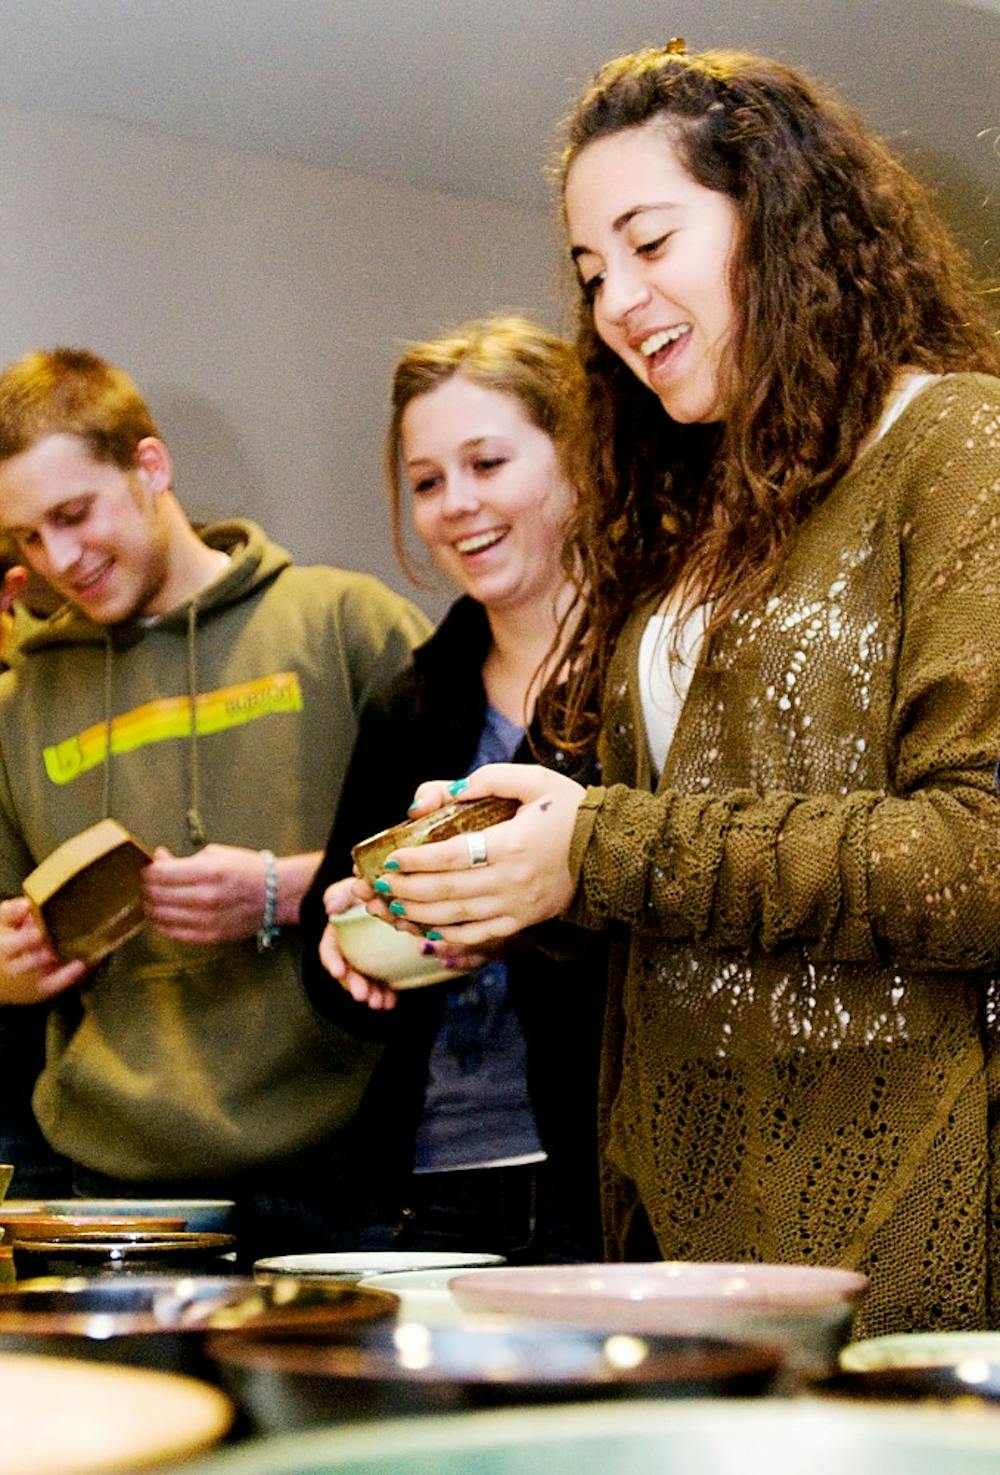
(259, 303)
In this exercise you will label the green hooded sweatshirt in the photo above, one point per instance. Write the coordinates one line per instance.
(172, 1060)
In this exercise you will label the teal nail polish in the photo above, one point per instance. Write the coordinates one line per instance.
(458, 787)
(382, 887)
(397, 908)
(433, 935)
(390, 865)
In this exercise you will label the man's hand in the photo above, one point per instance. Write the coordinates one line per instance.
(30, 970)
(215, 895)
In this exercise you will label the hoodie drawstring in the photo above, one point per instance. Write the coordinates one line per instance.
(108, 657)
(195, 824)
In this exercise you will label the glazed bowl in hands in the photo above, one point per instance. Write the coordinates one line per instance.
(460, 818)
(384, 953)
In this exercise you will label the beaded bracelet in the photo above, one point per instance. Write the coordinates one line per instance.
(269, 930)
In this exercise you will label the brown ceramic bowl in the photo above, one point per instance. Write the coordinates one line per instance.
(163, 1320)
(129, 1251)
(71, 1226)
(459, 818)
(309, 1379)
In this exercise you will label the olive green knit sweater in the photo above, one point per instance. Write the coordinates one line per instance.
(801, 1048)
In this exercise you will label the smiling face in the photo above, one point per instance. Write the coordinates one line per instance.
(92, 530)
(652, 248)
(490, 499)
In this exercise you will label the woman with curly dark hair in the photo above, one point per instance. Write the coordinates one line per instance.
(788, 547)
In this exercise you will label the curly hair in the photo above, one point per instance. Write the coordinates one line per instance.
(842, 272)
(507, 353)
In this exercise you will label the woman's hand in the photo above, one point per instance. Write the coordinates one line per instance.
(524, 880)
(336, 899)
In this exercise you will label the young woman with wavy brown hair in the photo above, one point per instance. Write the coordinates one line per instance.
(478, 1131)
(789, 551)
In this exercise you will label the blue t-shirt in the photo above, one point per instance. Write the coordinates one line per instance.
(476, 1107)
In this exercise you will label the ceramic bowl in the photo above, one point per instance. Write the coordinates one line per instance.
(804, 1309)
(711, 1436)
(357, 1265)
(65, 1417)
(162, 1321)
(128, 1252)
(385, 953)
(212, 1215)
(78, 1226)
(921, 1349)
(457, 818)
(938, 1365)
(409, 1368)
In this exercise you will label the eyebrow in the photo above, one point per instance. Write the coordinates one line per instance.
(472, 444)
(620, 222)
(16, 530)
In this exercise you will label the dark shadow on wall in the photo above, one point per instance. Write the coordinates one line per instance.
(214, 475)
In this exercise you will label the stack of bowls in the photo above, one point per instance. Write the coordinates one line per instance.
(66, 1244)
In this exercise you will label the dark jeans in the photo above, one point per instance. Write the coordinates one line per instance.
(502, 1211)
(297, 1207)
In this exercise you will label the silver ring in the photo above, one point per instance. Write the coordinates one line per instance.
(478, 854)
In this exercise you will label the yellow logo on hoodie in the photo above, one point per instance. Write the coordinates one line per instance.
(170, 717)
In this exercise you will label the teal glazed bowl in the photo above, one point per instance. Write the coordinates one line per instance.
(667, 1437)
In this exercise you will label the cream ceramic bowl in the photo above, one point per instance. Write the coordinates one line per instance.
(383, 953)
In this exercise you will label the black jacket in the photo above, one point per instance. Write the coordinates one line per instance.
(426, 723)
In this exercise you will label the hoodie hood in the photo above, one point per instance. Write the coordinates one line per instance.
(254, 561)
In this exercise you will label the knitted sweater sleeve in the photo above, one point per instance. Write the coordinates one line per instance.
(910, 872)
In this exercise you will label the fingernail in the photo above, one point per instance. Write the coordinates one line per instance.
(382, 887)
(397, 908)
(433, 936)
(428, 950)
(458, 787)
(390, 865)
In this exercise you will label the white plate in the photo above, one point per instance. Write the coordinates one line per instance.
(60, 1416)
(360, 1264)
